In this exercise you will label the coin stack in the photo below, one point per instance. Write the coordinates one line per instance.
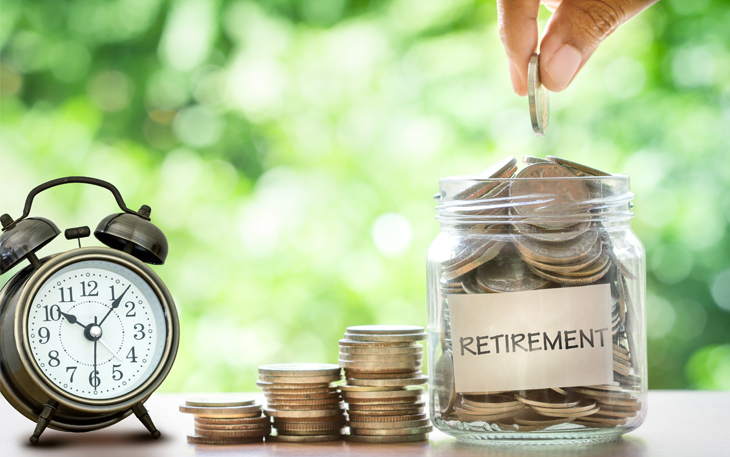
(226, 421)
(304, 402)
(564, 249)
(383, 377)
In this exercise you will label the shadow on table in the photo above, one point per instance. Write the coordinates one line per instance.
(625, 447)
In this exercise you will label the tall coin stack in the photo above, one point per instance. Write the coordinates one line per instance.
(226, 421)
(383, 376)
(304, 403)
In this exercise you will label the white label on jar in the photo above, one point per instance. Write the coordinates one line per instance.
(532, 340)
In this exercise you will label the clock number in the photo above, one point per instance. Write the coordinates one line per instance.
(139, 328)
(92, 286)
(94, 379)
(73, 372)
(44, 334)
(131, 312)
(53, 313)
(112, 288)
(70, 295)
(131, 355)
(53, 359)
(117, 375)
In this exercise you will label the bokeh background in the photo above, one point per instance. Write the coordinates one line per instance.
(289, 149)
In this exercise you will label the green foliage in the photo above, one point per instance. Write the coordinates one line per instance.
(289, 150)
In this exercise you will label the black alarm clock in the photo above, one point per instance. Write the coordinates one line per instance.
(87, 335)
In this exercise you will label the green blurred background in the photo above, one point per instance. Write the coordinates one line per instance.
(289, 150)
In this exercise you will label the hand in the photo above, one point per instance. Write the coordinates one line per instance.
(574, 31)
(72, 319)
(110, 349)
(115, 304)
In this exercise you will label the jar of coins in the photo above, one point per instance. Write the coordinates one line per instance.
(536, 289)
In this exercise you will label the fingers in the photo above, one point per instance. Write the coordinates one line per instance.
(574, 32)
(518, 30)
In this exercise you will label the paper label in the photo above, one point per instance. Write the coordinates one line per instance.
(532, 340)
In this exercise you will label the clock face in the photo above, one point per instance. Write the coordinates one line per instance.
(96, 329)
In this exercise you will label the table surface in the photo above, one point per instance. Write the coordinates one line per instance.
(679, 423)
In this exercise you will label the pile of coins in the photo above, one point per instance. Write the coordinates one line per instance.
(382, 366)
(304, 403)
(561, 246)
(226, 421)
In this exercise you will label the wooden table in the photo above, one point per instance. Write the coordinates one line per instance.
(679, 423)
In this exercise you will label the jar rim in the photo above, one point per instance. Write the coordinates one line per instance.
(475, 178)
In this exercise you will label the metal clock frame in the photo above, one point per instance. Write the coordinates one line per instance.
(40, 390)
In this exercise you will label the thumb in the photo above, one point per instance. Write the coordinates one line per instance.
(574, 32)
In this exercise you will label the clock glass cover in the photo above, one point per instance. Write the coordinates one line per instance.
(96, 329)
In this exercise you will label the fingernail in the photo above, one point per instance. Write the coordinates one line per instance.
(563, 65)
(515, 77)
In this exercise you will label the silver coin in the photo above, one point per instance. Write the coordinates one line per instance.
(508, 273)
(538, 98)
(444, 383)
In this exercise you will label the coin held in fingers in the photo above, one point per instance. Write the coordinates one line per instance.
(538, 98)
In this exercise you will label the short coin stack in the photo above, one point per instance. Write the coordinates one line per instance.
(383, 372)
(306, 407)
(227, 421)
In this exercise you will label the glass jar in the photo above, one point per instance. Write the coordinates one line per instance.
(536, 293)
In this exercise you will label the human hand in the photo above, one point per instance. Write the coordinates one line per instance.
(574, 31)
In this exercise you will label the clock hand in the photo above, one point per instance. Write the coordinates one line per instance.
(95, 340)
(115, 305)
(72, 319)
(110, 350)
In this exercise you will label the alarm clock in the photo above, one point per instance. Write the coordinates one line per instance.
(87, 335)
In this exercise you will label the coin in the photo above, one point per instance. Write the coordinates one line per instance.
(300, 370)
(386, 439)
(295, 395)
(389, 425)
(508, 273)
(282, 432)
(299, 388)
(479, 256)
(387, 352)
(310, 427)
(304, 404)
(385, 338)
(502, 169)
(217, 433)
(306, 413)
(566, 252)
(214, 402)
(236, 421)
(256, 426)
(562, 193)
(391, 431)
(384, 329)
(538, 98)
(580, 170)
(444, 383)
(225, 411)
(299, 379)
(382, 366)
(195, 439)
(303, 438)
(399, 374)
(397, 382)
(349, 388)
(357, 414)
(376, 358)
(391, 406)
(531, 159)
(379, 344)
(389, 393)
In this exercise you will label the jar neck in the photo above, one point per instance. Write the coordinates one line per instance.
(551, 203)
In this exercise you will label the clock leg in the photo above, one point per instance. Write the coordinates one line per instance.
(49, 410)
(141, 412)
